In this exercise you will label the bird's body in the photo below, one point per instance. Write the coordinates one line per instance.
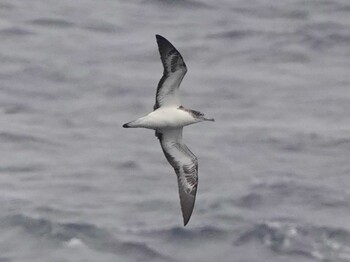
(168, 119)
(165, 118)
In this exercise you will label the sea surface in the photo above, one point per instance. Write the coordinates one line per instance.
(274, 169)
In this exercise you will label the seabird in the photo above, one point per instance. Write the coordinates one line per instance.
(168, 119)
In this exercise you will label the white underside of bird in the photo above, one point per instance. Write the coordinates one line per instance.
(165, 118)
(168, 119)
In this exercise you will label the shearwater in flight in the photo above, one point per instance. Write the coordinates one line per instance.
(168, 119)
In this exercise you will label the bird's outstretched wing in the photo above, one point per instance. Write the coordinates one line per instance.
(185, 164)
(174, 71)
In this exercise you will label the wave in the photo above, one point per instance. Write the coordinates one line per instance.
(234, 34)
(129, 165)
(25, 139)
(271, 194)
(102, 27)
(323, 35)
(20, 138)
(180, 3)
(288, 238)
(82, 234)
(301, 141)
(272, 12)
(21, 169)
(203, 233)
(15, 31)
(16, 108)
(52, 22)
(314, 195)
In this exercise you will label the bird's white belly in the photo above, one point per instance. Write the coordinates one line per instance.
(167, 118)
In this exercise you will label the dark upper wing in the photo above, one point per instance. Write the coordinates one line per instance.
(185, 165)
(174, 71)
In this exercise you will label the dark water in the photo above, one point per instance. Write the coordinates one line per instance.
(274, 167)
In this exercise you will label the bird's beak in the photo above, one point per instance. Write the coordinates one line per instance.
(209, 119)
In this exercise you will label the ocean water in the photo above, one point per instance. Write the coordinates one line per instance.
(274, 169)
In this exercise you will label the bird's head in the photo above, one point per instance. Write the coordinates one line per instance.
(200, 116)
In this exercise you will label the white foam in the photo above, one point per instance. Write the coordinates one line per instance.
(74, 243)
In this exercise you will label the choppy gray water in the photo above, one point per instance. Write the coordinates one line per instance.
(274, 167)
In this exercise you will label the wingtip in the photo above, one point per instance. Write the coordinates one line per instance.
(159, 36)
(186, 221)
(187, 205)
(126, 125)
(161, 40)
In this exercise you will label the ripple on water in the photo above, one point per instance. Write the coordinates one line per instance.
(21, 138)
(82, 234)
(52, 22)
(16, 31)
(321, 243)
(21, 169)
(271, 194)
(203, 233)
(102, 27)
(234, 34)
(179, 3)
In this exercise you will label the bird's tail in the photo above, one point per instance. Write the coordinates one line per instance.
(129, 124)
(126, 125)
(134, 124)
